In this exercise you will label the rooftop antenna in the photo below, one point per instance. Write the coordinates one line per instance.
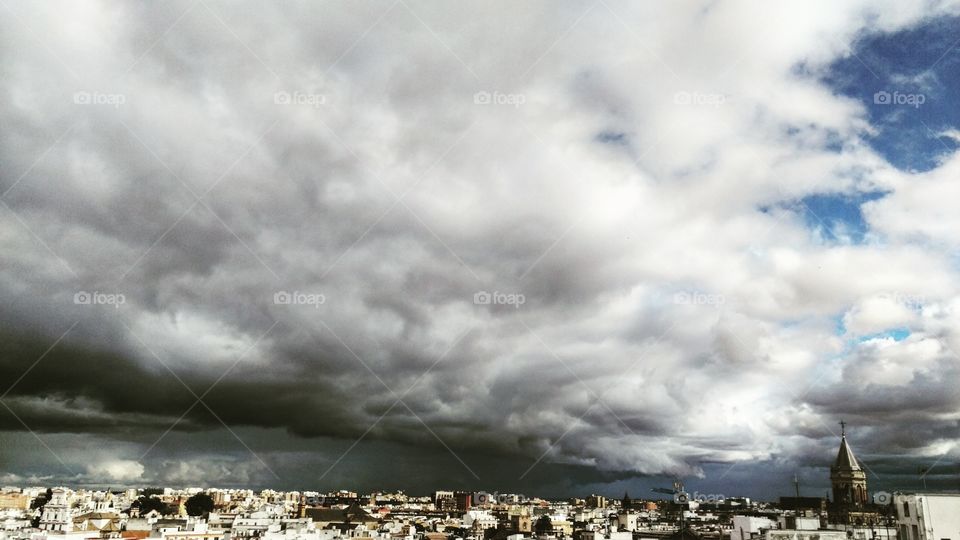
(796, 484)
(679, 496)
(684, 498)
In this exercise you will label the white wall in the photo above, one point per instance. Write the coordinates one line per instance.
(627, 521)
(931, 516)
(750, 525)
(805, 535)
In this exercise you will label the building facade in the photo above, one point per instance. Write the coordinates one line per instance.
(57, 516)
(928, 516)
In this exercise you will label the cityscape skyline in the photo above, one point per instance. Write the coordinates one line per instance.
(848, 511)
(655, 493)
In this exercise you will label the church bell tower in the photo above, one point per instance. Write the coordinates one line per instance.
(847, 477)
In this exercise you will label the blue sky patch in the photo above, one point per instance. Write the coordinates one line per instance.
(836, 217)
(898, 334)
(909, 82)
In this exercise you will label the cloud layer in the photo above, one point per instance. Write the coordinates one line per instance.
(268, 227)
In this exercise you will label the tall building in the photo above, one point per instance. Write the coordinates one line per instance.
(464, 500)
(596, 501)
(444, 501)
(851, 504)
(847, 477)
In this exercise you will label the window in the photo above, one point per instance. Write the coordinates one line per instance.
(906, 509)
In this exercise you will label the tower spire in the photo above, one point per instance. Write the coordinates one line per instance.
(848, 480)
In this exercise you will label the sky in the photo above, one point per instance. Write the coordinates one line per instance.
(558, 248)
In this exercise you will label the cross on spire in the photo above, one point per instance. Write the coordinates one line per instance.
(843, 428)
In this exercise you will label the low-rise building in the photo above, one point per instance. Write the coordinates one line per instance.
(747, 527)
(793, 534)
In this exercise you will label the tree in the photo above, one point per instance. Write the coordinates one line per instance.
(37, 505)
(42, 500)
(199, 504)
(543, 525)
(152, 503)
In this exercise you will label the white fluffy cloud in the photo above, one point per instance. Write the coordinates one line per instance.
(119, 470)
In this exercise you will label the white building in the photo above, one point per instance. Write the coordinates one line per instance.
(928, 516)
(57, 516)
(613, 535)
(800, 523)
(745, 527)
(627, 521)
(781, 534)
(866, 532)
(482, 518)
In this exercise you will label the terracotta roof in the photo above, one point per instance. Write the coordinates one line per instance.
(97, 515)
